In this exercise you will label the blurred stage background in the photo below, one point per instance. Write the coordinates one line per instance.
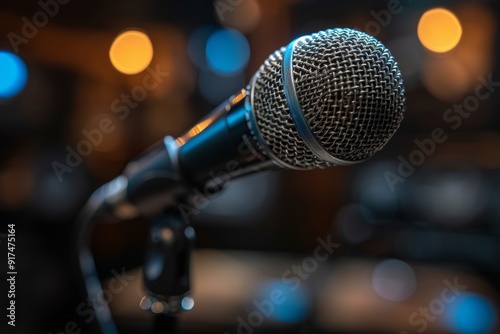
(402, 242)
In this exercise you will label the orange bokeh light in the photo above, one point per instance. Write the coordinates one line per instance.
(131, 52)
(439, 30)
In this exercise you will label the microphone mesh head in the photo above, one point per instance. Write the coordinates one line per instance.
(350, 92)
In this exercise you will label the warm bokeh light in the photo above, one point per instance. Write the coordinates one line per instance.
(131, 52)
(450, 76)
(243, 17)
(13, 74)
(446, 78)
(439, 30)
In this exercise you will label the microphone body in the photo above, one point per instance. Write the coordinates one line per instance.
(222, 146)
(224, 143)
(331, 98)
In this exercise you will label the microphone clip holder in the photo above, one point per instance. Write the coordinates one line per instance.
(166, 270)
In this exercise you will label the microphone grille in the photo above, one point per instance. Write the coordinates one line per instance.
(350, 92)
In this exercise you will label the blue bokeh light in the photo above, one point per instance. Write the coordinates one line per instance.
(295, 301)
(470, 314)
(13, 74)
(227, 51)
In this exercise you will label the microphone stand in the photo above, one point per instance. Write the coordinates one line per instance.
(166, 269)
(153, 186)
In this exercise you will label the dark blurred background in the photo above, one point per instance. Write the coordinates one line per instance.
(410, 222)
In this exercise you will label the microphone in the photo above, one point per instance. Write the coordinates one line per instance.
(335, 97)
(332, 98)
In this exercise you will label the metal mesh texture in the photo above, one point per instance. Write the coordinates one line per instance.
(350, 91)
